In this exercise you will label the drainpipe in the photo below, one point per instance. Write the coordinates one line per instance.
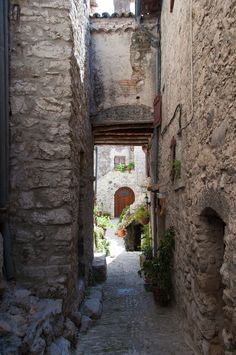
(156, 135)
(4, 137)
(96, 172)
(155, 42)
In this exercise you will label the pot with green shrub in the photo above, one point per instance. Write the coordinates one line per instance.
(142, 214)
(159, 269)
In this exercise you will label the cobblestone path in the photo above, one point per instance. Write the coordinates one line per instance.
(131, 322)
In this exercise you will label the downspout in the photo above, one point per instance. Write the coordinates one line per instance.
(96, 172)
(155, 42)
(156, 134)
(4, 138)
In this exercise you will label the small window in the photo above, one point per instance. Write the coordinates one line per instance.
(119, 159)
(172, 5)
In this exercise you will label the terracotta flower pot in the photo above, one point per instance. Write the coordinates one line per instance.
(121, 232)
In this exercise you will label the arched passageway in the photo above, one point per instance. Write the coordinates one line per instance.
(124, 196)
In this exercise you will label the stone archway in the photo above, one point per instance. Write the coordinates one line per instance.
(124, 196)
(207, 261)
(209, 280)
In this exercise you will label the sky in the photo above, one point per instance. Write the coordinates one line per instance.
(107, 6)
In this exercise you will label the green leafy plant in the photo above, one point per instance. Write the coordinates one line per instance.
(123, 213)
(141, 212)
(104, 222)
(159, 268)
(130, 166)
(176, 169)
(101, 243)
(120, 167)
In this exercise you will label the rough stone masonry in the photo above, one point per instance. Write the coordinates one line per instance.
(51, 147)
(198, 73)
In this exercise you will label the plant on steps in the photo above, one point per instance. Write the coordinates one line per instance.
(159, 269)
(101, 223)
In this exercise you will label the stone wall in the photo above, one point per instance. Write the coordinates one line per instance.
(1, 262)
(82, 139)
(197, 73)
(123, 69)
(50, 131)
(110, 180)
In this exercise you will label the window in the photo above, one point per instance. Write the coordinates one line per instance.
(172, 5)
(119, 159)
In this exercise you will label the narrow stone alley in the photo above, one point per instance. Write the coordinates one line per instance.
(131, 322)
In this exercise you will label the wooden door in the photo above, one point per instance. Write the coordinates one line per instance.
(123, 197)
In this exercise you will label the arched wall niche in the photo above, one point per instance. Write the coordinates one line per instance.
(208, 259)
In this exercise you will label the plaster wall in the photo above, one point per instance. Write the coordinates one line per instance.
(123, 66)
(198, 72)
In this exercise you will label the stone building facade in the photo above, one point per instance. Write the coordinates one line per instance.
(51, 147)
(110, 180)
(197, 134)
(122, 70)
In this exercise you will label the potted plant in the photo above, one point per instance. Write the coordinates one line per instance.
(158, 270)
(104, 222)
(130, 166)
(163, 288)
(120, 231)
(142, 214)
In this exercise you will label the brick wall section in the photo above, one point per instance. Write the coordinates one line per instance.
(197, 72)
(44, 184)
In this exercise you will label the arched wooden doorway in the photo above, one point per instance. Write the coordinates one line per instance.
(124, 196)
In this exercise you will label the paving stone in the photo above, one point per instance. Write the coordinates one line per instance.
(86, 323)
(99, 269)
(62, 347)
(96, 293)
(131, 322)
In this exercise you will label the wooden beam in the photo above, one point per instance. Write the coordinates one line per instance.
(126, 122)
(122, 143)
(121, 134)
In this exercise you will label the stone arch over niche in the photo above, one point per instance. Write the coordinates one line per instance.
(208, 260)
(123, 197)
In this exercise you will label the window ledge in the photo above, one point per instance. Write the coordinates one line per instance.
(179, 184)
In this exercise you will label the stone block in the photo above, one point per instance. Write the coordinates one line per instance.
(86, 323)
(60, 347)
(70, 331)
(99, 269)
(76, 318)
(93, 308)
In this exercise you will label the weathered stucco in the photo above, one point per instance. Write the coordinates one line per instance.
(110, 180)
(49, 130)
(198, 74)
(123, 67)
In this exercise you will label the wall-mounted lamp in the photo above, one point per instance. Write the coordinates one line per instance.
(148, 203)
